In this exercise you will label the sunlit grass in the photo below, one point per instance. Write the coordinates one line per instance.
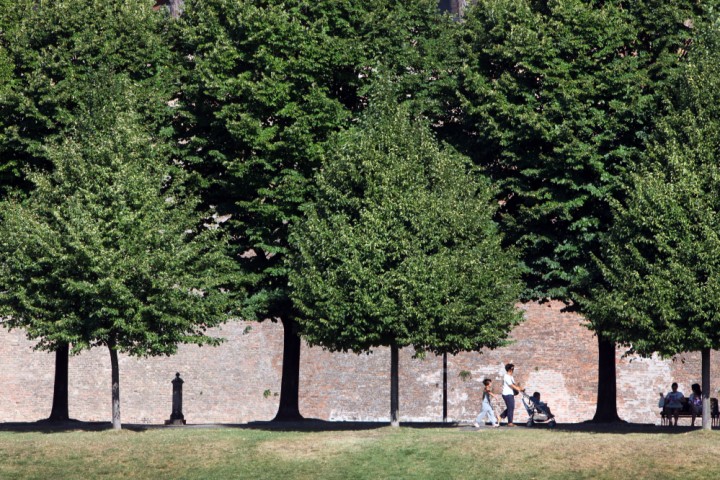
(447, 453)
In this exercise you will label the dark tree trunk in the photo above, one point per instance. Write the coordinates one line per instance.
(607, 385)
(289, 408)
(706, 424)
(394, 387)
(115, 367)
(59, 412)
(444, 387)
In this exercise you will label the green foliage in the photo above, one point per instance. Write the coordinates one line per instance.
(561, 96)
(661, 262)
(107, 249)
(268, 82)
(52, 49)
(399, 247)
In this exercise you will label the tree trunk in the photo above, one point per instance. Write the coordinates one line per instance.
(289, 408)
(606, 410)
(176, 8)
(59, 412)
(115, 389)
(444, 387)
(394, 387)
(706, 424)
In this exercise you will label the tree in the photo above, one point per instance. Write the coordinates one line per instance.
(559, 97)
(267, 83)
(108, 249)
(399, 248)
(52, 48)
(661, 261)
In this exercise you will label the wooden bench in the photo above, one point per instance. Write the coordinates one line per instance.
(666, 416)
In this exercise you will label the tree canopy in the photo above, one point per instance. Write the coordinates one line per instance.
(562, 96)
(269, 81)
(52, 47)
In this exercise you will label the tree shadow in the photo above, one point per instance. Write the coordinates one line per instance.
(52, 426)
(317, 425)
(625, 428)
(305, 425)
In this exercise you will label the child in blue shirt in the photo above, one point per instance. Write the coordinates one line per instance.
(487, 410)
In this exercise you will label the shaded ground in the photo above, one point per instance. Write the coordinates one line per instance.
(314, 425)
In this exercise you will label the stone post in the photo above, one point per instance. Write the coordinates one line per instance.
(176, 417)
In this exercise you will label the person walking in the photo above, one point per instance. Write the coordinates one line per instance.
(510, 389)
(487, 409)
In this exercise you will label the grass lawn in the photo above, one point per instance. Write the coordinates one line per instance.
(371, 453)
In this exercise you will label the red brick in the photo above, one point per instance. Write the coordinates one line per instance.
(553, 353)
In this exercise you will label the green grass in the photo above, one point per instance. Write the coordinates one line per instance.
(430, 453)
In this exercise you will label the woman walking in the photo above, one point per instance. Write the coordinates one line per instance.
(510, 387)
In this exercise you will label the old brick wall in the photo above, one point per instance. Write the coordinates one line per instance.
(239, 381)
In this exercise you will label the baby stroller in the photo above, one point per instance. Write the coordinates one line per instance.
(538, 412)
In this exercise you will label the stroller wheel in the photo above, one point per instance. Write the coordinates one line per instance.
(530, 423)
(552, 423)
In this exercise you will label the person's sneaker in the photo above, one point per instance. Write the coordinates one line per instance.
(496, 425)
(476, 425)
(511, 425)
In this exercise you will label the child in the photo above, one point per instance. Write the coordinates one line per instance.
(487, 409)
(541, 407)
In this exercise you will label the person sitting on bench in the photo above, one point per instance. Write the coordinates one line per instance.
(673, 403)
(695, 402)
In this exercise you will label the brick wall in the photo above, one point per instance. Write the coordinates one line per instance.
(239, 381)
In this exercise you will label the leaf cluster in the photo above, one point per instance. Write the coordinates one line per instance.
(561, 96)
(268, 82)
(108, 248)
(49, 50)
(660, 263)
(399, 247)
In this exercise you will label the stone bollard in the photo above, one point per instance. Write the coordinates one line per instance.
(176, 417)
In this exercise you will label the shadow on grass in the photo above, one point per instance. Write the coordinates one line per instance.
(48, 426)
(316, 425)
(624, 427)
(305, 425)
(313, 425)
